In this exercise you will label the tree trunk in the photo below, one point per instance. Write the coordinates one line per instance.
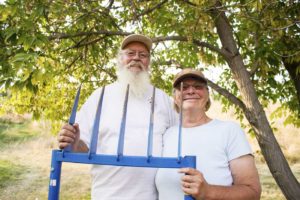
(291, 67)
(256, 116)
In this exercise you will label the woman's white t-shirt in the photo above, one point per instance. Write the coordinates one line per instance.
(214, 144)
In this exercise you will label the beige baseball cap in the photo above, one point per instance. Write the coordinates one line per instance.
(189, 72)
(137, 38)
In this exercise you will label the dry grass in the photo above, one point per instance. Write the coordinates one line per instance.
(34, 155)
(270, 190)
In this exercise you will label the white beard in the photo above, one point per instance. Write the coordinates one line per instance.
(138, 82)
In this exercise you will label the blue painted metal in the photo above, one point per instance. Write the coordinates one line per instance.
(193, 165)
(113, 160)
(150, 134)
(55, 171)
(122, 127)
(188, 197)
(116, 160)
(180, 124)
(179, 158)
(75, 105)
(133, 161)
(95, 131)
(73, 116)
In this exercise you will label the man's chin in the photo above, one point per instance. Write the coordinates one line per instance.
(136, 77)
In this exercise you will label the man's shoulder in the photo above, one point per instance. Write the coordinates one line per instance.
(98, 90)
(171, 132)
(108, 86)
(160, 91)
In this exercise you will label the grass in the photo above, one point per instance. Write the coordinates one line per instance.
(11, 133)
(10, 173)
(270, 190)
(25, 164)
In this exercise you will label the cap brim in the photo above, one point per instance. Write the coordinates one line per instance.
(177, 81)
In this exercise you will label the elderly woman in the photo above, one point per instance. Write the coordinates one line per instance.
(225, 165)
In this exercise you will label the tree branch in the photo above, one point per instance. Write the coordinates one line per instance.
(168, 63)
(111, 2)
(88, 43)
(102, 32)
(107, 71)
(287, 55)
(151, 9)
(190, 3)
(224, 53)
(220, 7)
(254, 68)
(77, 45)
(233, 99)
(155, 40)
(72, 63)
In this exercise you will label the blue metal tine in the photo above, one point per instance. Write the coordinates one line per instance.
(180, 123)
(95, 131)
(134, 161)
(123, 124)
(73, 116)
(74, 109)
(179, 159)
(150, 135)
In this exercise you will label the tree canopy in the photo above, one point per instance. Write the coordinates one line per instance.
(48, 48)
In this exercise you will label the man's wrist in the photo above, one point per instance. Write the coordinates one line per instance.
(80, 146)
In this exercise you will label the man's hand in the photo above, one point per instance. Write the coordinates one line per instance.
(68, 135)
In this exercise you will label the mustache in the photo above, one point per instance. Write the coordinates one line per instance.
(136, 63)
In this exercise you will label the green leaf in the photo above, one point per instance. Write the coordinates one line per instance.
(10, 32)
(21, 57)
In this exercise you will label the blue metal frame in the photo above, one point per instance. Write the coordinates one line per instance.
(59, 156)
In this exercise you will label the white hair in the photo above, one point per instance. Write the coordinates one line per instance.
(138, 82)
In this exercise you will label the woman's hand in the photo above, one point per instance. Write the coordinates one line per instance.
(193, 183)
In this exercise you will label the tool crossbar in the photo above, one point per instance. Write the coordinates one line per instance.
(132, 161)
(91, 157)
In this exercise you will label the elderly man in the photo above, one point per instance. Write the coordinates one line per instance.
(225, 165)
(126, 183)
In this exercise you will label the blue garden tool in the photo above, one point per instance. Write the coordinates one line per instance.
(73, 117)
(91, 157)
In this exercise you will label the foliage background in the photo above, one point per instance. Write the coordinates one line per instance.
(49, 47)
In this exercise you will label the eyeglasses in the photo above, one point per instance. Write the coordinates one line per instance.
(141, 54)
(196, 86)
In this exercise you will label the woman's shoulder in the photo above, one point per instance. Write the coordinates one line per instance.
(225, 123)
